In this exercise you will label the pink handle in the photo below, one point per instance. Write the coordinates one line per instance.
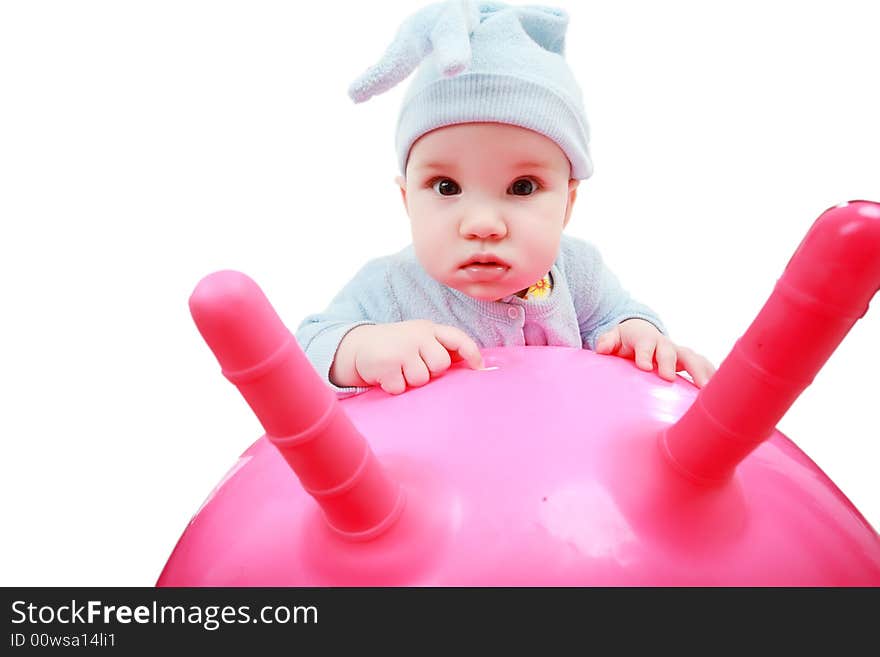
(300, 414)
(824, 290)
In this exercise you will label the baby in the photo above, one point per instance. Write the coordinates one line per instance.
(492, 140)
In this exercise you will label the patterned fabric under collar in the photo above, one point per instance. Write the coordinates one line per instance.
(539, 290)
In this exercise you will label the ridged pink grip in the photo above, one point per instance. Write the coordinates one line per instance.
(823, 291)
(300, 413)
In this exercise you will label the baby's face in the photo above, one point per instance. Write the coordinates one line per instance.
(487, 203)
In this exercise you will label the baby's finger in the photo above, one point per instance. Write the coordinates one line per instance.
(392, 382)
(708, 368)
(666, 358)
(698, 367)
(456, 340)
(608, 342)
(415, 371)
(706, 372)
(644, 350)
(435, 357)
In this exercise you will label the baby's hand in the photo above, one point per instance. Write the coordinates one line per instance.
(640, 339)
(393, 356)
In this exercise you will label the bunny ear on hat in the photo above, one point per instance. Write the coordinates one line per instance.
(443, 28)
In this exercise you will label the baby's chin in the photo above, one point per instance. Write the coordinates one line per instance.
(509, 283)
(486, 292)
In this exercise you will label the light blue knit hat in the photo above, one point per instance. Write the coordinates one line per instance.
(483, 62)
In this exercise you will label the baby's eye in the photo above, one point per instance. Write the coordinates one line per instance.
(446, 187)
(523, 187)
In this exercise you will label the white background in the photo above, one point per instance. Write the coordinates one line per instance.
(144, 145)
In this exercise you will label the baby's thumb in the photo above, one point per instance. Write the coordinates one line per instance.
(471, 354)
(459, 344)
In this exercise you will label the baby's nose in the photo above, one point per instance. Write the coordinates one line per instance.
(483, 223)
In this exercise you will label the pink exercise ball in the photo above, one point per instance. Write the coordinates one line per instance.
(553, 466)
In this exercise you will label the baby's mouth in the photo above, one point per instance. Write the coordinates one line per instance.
(485, 265)
(484, 272)
(485, 261)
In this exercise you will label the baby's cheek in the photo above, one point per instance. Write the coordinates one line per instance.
(432, 258)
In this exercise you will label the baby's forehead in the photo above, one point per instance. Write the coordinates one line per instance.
(485, 142)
